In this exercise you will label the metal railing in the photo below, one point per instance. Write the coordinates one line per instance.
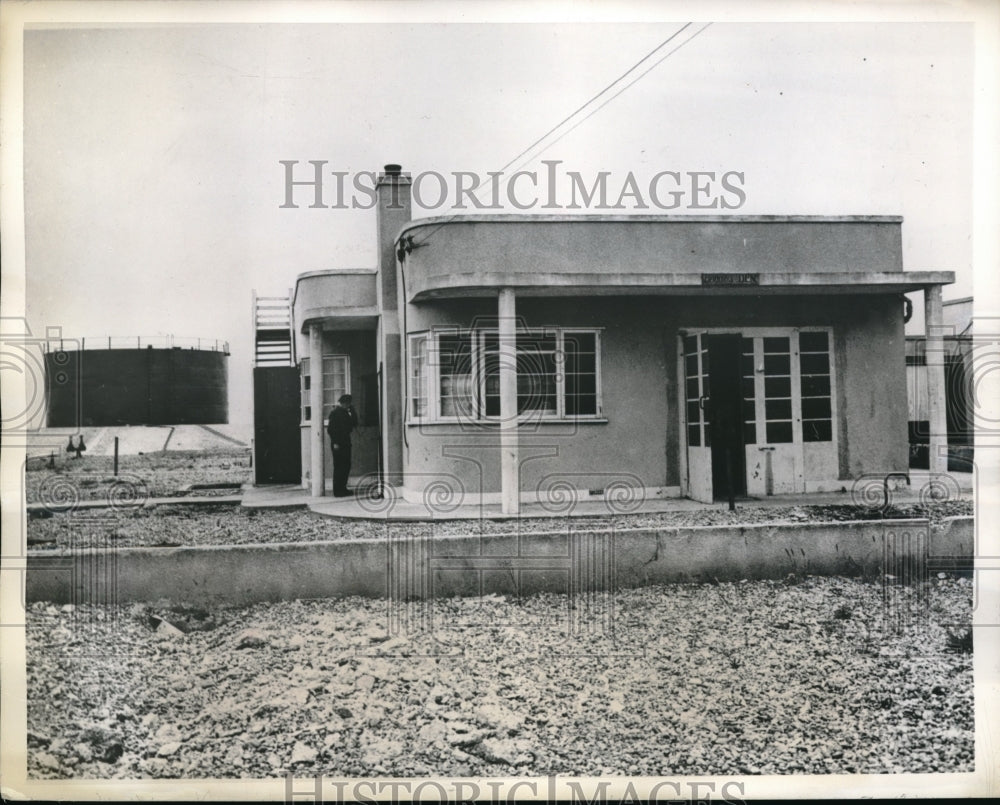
(137, 342)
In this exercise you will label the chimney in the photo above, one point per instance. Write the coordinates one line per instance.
(393, 191)
(393, 213)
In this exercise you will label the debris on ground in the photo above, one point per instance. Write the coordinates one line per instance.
(823, 676)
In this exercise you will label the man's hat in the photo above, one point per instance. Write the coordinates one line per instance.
(345, 399)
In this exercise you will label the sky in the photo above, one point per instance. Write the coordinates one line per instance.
(153, 181)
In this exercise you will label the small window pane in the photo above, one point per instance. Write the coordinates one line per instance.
(777, 364)
(777, 387)
(581, 405)
(816, 408)
(749, 433)
(813, 342)
(776, 345)
(694, 437)
(818, 364)
(779, 432)
(778, 409)
(817, 430)
(816, 386)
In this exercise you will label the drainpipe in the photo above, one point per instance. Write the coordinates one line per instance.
(510, 482)
(937, 420)
(316, 423)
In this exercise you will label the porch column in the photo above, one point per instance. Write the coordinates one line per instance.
(934, 351)
(316, 424)
(510, 482)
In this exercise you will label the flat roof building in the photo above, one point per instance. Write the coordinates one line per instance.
(509, 358)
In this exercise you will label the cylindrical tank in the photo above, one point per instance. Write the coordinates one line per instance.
(140, 386)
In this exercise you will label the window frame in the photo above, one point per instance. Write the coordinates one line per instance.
(431, 379)
(305, 381)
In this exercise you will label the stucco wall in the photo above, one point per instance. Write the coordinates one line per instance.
(469, 254)
(873, 399)
(641, 438)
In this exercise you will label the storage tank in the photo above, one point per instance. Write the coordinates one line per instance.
(100, 382)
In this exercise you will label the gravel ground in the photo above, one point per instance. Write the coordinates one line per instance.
(802, 676)
(205, 524)
(161, 474)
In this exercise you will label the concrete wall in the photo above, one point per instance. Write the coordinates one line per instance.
(641, 438)
(137, 387)
(494, 251)
(471, 565)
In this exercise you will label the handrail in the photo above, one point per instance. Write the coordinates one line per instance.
(136, 342)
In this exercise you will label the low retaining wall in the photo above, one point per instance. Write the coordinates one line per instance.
(568, 561)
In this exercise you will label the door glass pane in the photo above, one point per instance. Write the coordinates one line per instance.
(695, 385)
(747, 371)
(778, 390)
(817, 408)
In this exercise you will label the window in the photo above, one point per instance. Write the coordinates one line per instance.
(455, 375)
(336, 381)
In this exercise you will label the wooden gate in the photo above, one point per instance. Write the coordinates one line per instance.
(276, 412)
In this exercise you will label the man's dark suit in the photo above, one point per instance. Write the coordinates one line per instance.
(342, 422)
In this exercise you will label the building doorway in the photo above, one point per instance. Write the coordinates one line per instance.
(759, 413)
(725, 415)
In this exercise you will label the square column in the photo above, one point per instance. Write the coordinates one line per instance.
(317, 438)
(510, 481)
(934, 351)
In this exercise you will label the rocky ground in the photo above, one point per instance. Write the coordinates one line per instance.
(811, 675)
(160, 474)
(172, 525)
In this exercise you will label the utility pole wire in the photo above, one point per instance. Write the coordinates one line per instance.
(577, 111)
(609, 100)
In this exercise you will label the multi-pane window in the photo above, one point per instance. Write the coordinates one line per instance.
(336, 381)
(814, 372)
(456, 374)
(306, 384)
(418, 375)
(580, 372)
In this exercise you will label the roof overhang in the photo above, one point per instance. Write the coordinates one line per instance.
(338, 299)
(644, 284)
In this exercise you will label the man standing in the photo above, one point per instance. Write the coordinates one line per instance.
(342, 421)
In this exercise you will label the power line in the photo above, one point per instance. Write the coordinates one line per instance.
(609, 100)
(579, 109)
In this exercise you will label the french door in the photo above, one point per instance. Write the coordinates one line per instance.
(785, 381)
